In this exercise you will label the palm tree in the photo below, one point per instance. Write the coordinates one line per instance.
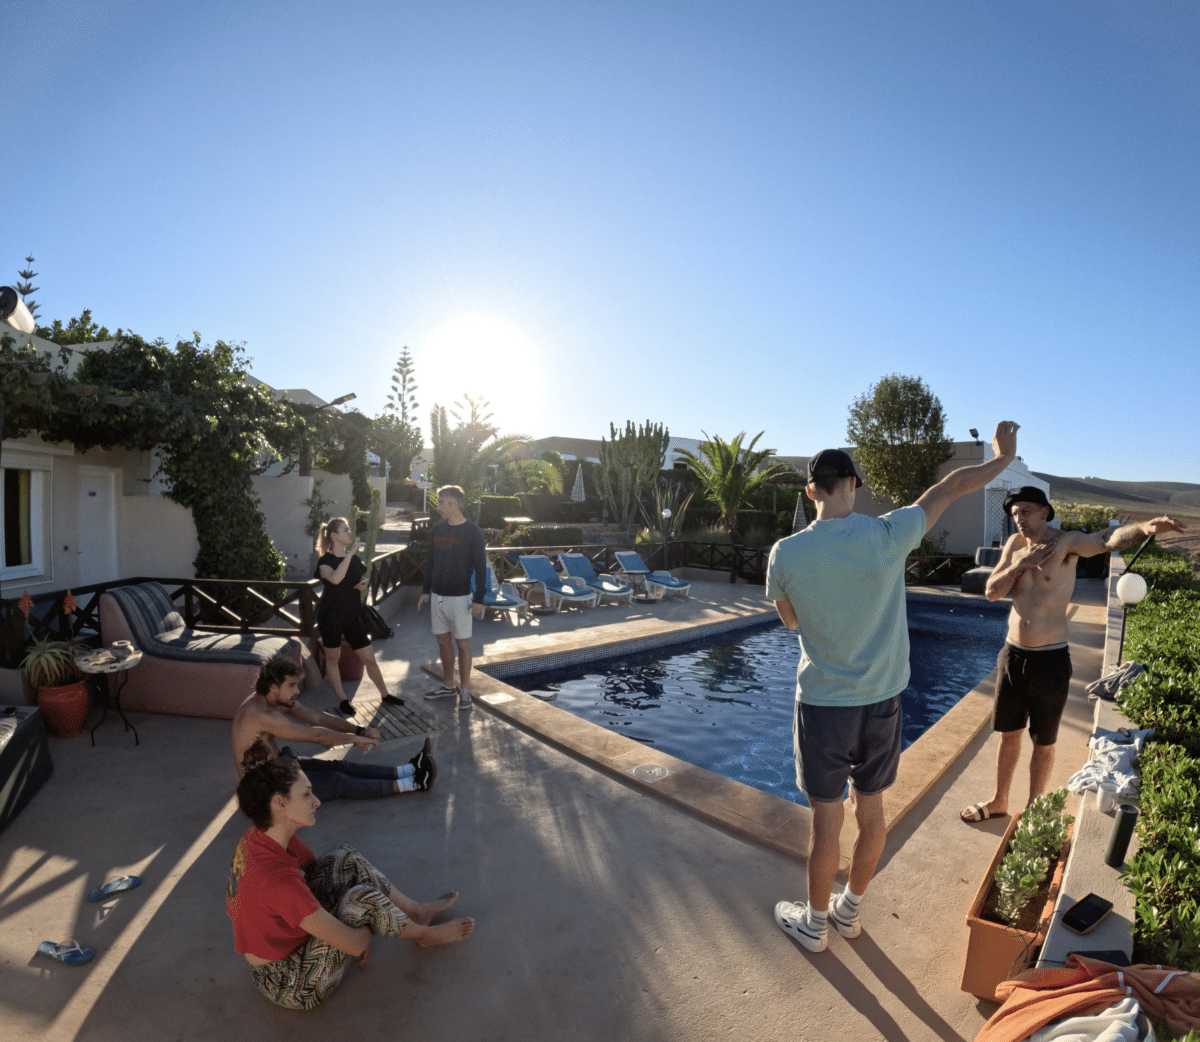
(463, 450)
(731, 474)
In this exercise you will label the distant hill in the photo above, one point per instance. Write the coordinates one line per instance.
(1131, 495)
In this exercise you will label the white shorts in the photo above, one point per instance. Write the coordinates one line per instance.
(451, 615)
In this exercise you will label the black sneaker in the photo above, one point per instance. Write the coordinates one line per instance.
(442, 692)
(421, 757)
(464, 698)
(345, 708)
(423, 776)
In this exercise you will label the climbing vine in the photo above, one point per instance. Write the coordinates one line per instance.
(213, 430)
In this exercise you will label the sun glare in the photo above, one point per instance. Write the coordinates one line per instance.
(473, 340)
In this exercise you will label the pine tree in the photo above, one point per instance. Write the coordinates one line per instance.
(26, 287)
(403, 399)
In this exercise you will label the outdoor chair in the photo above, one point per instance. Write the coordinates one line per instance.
(555, 591)
(579, 567)
(502, 597)
(657, 583)
(183, 671)
(986, 559)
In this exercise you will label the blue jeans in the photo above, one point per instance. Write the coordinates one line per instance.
(342, 780)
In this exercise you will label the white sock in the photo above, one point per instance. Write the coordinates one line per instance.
(819, 919)
(404, 770)
(851, 898)
(406, 784)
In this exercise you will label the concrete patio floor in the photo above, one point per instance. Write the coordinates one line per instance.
(602, 912)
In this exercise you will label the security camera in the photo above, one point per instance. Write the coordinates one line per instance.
(13, 311)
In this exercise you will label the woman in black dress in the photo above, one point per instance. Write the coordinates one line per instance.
(339, 614)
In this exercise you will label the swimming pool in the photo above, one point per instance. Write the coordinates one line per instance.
(726, 703)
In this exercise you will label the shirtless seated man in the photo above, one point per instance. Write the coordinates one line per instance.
(1038, 568)
(274, 711)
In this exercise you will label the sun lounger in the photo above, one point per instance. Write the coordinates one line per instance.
(555, 590)
(657, 583)
(502, 597)
(579, 567)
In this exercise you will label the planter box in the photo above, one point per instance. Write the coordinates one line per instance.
(995, 951)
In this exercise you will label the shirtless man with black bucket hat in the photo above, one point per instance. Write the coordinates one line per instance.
(1038, 569)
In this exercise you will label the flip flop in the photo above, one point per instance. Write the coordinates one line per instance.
(114, 886)
(979, 812)
(72, 954)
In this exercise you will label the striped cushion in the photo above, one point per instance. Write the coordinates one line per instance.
(158, 630)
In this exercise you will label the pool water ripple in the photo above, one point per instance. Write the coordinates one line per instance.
(726, 704)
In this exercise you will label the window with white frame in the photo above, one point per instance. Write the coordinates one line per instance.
(24, 494)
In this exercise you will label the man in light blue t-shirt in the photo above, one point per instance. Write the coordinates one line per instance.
(840, 582)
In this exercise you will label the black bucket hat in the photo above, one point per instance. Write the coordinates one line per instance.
(1028, 494)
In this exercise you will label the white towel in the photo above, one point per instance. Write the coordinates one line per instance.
(1118, 1023)
(1114, 759)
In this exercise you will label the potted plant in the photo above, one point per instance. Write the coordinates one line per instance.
(1008, 919)
(61, 690)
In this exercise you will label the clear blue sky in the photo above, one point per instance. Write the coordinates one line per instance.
(721, 216)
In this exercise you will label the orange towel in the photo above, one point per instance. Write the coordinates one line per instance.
(1036, 998)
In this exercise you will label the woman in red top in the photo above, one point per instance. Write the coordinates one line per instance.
(297, 918)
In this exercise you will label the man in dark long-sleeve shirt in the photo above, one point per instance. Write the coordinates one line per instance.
(456, 552)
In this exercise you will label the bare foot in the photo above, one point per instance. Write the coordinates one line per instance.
(983, 811)
(423, 914)
(446, 933)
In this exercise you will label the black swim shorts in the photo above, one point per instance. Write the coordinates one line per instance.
(1031, 686)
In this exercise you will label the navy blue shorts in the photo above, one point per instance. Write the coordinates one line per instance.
(837, 744)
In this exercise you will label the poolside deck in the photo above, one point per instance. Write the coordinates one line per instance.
(601, 913)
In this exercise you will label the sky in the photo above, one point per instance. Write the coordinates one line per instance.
(720, 216)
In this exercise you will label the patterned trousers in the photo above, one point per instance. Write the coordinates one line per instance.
(350, 889)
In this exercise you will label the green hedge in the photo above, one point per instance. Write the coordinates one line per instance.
(542, 535)
(1164, 569)
(1164, 875)
(494, 509)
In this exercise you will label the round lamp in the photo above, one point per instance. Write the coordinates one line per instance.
(1131, 588)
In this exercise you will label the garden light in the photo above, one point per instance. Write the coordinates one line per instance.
(1131, 589)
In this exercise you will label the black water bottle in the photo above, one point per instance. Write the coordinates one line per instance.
(1122, 832)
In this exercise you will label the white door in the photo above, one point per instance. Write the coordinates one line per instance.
(97, 520)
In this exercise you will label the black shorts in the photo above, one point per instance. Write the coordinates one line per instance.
(336, 627)
(1031, 686)
(836, 744)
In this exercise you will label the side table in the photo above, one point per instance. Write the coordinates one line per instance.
(102, 662)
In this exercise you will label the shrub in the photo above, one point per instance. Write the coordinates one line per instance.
(541, 535)
(1082, 517)
(1164, 875)
(494, 509)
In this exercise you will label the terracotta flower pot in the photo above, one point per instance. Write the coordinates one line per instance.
(64, 709)
(350, 666)
(996, 951)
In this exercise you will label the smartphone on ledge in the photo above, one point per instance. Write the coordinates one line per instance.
(1086, 915)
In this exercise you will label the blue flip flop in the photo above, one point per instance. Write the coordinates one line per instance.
(114, 886)
(72, 954)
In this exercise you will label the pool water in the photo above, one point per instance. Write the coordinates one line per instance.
(726, 703)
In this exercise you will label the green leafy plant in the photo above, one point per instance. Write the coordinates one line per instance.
(1037, 840)
(1082, 517)
(50, 663)
(319, 509)
(898, 429)
(630, 462)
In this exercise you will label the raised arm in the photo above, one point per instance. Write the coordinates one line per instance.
(970, 479)
(1089, 544)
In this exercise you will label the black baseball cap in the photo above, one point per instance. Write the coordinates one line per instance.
(832, 463)
(1028, 494)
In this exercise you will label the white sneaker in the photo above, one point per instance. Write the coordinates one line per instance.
(844, 916)
(793, 919)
